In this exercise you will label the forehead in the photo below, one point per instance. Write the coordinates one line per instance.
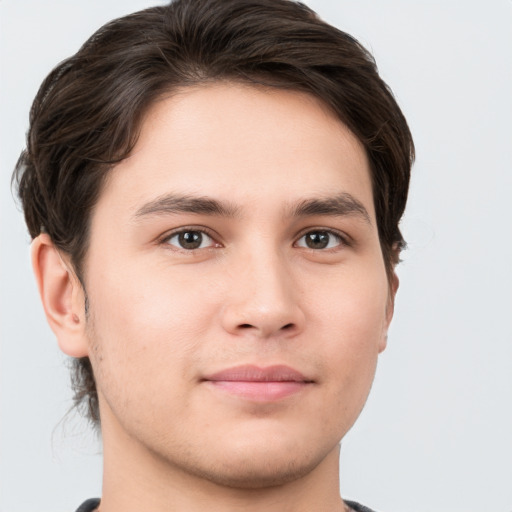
(241, 142)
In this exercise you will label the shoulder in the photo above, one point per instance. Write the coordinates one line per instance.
(89, 505)
(356, 507)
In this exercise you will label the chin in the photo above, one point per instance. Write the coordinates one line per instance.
(251, 474)
(255, 465)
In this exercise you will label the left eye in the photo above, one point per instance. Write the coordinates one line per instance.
(190, 240)
(320, 240)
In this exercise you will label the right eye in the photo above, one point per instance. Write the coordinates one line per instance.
(190, 239)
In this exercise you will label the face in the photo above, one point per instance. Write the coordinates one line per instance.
(237, 293)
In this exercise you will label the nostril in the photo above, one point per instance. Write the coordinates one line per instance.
(267, 330)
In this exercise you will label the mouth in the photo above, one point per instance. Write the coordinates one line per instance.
(258, 384)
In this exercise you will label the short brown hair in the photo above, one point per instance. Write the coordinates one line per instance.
(87, 113)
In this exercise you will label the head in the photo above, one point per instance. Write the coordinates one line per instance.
(99, 113)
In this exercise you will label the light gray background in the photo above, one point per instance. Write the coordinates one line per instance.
(436, 434)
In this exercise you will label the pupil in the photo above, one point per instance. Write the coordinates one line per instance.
(190, 239)
(317, 240)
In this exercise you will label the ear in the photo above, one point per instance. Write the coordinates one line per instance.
(390, 308)
(62, 296)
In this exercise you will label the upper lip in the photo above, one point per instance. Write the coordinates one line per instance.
(252, 373)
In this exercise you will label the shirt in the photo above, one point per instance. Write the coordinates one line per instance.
(92, 504)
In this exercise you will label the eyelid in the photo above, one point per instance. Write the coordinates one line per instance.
(345, 240)
(164, 239)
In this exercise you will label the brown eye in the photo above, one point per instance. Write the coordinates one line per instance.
(190, 240)
(320, 240)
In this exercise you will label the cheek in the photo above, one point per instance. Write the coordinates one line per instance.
(141, 298)
(143, 327)
(354, 305)
(351, 320)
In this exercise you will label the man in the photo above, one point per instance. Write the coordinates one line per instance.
(213, 189)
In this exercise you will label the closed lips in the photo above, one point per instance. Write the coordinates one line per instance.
(250, 373)
(255, 384)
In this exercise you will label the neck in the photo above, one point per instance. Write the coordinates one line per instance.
(136, 479)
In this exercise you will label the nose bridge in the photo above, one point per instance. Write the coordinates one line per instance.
(268, 277)
(264, 301)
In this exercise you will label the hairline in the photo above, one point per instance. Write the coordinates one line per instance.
(203, 81)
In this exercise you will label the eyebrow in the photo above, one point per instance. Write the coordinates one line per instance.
(343, 204)
(171, 203)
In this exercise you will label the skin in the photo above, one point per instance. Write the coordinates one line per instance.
(163, 317)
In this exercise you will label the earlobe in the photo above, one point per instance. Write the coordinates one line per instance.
(390, 307)
(62, 296)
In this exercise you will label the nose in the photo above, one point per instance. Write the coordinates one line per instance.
(263, 300)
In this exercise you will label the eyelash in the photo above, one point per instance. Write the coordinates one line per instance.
(342, 239)
(165, 240)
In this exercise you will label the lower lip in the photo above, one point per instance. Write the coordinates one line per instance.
(260, 391)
